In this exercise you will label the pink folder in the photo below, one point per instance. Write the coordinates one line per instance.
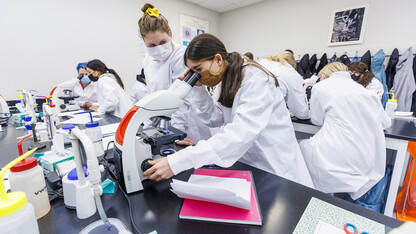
(208, 211)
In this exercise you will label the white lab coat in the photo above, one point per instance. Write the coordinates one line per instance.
(88, 93)
(348, 153)
(112, 99)
(138, 92)
(291, 85)
(376, 86)
(257, 131)
(160, 76)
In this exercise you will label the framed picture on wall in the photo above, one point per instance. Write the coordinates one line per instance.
(348, 25)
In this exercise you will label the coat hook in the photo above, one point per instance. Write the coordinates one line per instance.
(356, 53)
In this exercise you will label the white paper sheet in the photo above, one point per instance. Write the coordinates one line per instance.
(229, 191)
(325, 228)
(83, 119)
(110, 129)
(72, 114)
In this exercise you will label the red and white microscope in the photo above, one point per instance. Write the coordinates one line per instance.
(135, 146)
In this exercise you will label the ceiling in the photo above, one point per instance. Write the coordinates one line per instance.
(222, 6)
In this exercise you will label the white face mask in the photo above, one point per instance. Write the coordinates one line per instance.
(161, 53)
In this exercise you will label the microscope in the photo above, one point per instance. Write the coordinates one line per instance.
(134, 145)
(63, 97)
(4, 111)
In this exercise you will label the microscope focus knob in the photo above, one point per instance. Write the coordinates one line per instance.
(145, 164)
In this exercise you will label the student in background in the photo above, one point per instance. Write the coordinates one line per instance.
(289, 56)
(139, 88)
(290, 83)
(112, 98)
(257, 129)
(359, 72)
(85, 89)
(163, 64)
(248, 56)
(348, 153)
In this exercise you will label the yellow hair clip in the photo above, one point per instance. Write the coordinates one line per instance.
(152, 12)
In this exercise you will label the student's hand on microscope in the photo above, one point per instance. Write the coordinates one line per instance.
(186, 142)
(160, 170)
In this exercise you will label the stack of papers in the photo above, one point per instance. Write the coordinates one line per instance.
(228, 191)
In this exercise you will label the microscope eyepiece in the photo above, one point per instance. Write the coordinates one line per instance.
(191, 77)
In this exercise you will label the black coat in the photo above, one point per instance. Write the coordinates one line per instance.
(345, 60)
(391, 68)
(303, 67)
(413, 108)
(366, 58)
(322, 63)
(312, 64)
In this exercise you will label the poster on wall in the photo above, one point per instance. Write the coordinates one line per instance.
(192, 26)
(348, 25)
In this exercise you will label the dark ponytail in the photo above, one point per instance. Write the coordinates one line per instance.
(118, 79)
(97, 65)
(204, 47)
(362, 68)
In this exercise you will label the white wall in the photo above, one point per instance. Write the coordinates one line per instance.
(303, 26)
(42, 41)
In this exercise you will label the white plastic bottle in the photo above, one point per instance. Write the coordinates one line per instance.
(27, 176)
(391, 106)
(93, 131)
(16, 214)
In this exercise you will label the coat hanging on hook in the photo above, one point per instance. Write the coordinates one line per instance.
(366, 58)
(391, 68)
(323, 61)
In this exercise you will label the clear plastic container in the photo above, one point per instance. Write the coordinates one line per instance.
(93, 131)
(16, 214)
(99, 227)
(391, 106)
(20, 221)
(27, 176)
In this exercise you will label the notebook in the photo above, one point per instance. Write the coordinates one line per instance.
(208, 211)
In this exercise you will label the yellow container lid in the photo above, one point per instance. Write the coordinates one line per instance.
(12, 202)
(392, 98)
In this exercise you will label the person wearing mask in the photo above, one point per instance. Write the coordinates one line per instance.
(257, 129)
(139, 88)
(112, 98)
(163, 64)
(85, 89)
(359, 72)
(290, 83)
(248, 56)
(348, 153)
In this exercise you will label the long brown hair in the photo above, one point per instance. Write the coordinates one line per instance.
(204, 47)
(149, 23)
(362, 69)
(97, 65)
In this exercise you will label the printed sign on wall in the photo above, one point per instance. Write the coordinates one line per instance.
(348, 25)
(191, 27)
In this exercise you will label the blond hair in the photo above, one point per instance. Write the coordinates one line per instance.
(284, 58)
(329, 69)
(148, 23)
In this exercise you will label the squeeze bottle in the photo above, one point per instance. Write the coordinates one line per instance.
(391, 106)
(16, 214)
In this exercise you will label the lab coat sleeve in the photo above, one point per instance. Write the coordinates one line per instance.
(109, 96)
(208, 111)
(385, 119)
(296, 100)
(250, 117)
(180, 119)
(317, 111)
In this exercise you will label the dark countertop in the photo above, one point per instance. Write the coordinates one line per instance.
(282, 203)
(403, 129)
